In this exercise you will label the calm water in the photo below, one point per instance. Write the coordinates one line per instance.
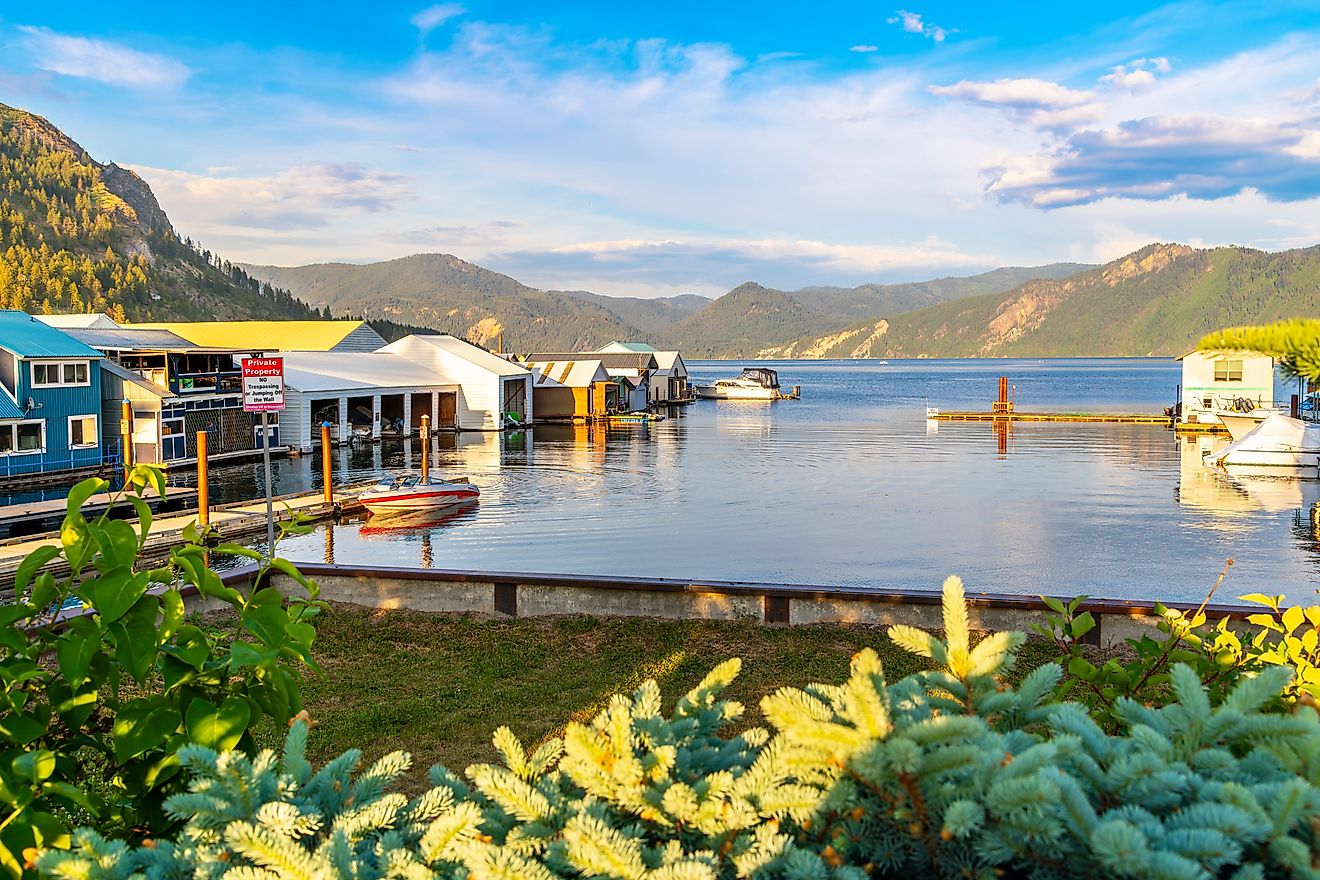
(851, 485)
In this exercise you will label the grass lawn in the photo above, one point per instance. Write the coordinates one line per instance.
(437, 685)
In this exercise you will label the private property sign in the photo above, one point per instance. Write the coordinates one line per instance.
(263, 384)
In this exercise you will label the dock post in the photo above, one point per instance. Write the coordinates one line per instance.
(326, 486)
(426, 443)
(203, 483)
(797, 391)
(126, 436)
(1296, 407)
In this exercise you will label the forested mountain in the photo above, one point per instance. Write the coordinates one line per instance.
(79, 236)
(1157, 301)
(449, 294)
(648, 315)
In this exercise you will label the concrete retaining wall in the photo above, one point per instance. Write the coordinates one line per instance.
(521, 594)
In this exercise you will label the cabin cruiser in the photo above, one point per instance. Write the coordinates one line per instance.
(1240, 424)
(1278, 441)
(413, 492)
(753, 383)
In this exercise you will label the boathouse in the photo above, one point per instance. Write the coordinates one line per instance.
(1225, 381)
(176, 388)
(669, 381)
(573, 390)
(362, 396)
(632, 369)
(276, 336)
(494, 393)
(50, 399)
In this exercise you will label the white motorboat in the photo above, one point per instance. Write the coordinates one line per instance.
(1240, 424)
(1278, 441)
(413, 492)
(753, 383)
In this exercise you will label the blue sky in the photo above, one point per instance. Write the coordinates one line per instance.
(688, 147)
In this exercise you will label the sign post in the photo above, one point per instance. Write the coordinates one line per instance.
(263, 392)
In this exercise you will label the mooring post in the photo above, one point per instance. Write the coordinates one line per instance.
(326, 486)
(203, 483)
(126, 436)
(1296, 407)
(426, 445)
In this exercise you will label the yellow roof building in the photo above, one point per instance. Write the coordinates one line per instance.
(267, 336)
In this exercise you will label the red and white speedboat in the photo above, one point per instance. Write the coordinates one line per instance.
(413, 492)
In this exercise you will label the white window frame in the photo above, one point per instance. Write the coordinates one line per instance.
(32, 374)
(1228, 370)
(13, 426)
(96, 431)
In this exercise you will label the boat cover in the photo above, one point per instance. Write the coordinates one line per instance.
(1276, 433)
(763, 376)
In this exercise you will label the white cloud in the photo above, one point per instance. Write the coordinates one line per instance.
(432, 17)
(100, 60)
(1039, 103)
(913, 24)
(302, 197)
(1136, 75)
(864, 47)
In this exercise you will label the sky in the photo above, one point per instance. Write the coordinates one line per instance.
(650, 150)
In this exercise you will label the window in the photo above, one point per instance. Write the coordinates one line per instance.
(21, 438)
(1228, 371)
(82, 432)
(53, 373)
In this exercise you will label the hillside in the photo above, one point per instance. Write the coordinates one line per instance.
(648, 315)
(80, 236)
(449, 294)
(1156, 301)
(745, 320)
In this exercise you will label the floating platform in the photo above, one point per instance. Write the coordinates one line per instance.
(36, 517)
(1019, 416)
(230, 522)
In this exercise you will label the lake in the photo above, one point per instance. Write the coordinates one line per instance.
(851, 485)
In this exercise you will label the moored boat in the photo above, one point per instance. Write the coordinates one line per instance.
(414, 492)
(753, 383)
(1240, 424)
(1278, 441)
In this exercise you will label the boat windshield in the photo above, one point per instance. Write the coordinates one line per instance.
(762, 376)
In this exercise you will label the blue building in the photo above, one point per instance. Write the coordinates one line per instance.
(50, 399)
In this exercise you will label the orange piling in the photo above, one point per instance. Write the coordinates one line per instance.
(327, 487)
(203, 483)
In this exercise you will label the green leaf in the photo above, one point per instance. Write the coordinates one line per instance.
(144, 517)
(44, 592)
(31, 564)
(141, 725)
(81, 492)
(1080, 667)
(75, 651)
(70, 793)
(172, 612)
(190, 646)
(1082, 624)
(21, 728)
(243, 654)
(118, 544)
(135, 638)
(35, 766)
(114, 592)
(217, 728)
(267, 622)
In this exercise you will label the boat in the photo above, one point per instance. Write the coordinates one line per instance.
(403, 522)
(411, 491)
(1278, 441)
(1240, 424)
(753, 383)
(635, 417)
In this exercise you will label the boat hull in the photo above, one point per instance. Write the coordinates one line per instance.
(413, 500)
(710, 392)
(1277, 442)
(1240, 425)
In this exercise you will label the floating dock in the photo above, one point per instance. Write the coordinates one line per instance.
(37, 517)
(230, 522)
(1016, 416)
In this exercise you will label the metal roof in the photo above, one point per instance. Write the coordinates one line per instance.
(473, 354)
(264, 335)
(625, 347)
(572, 374)
(610, 360)
(127, 375)
(9, 409)
(27, 337)
(65, 322)
(142, 339)
(332, 371)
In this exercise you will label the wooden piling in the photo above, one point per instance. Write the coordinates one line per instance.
(426, 446)
(203, 483)
(327, 487)
(126, 436)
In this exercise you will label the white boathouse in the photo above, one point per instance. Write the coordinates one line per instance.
(1225, 381)
(492, 392)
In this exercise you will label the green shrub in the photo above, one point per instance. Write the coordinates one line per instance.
(944, 774)
(113, 694)
(1219, 654)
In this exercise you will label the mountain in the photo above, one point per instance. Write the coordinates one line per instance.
(1156, 301)
(446, 293)
(752, 320)
(648, 315)
(80, 236)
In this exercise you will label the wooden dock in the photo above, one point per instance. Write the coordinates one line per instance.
(36, 517)
(1019, 416)
(231, 522)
